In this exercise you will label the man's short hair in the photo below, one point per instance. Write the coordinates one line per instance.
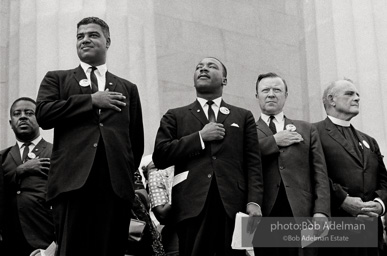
(21, 99)
(98, 21)
(331, 90)
(266, 75)
(223, 66)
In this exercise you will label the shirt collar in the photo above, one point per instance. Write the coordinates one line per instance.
(34, 142)
(340, 122)
(216, 101)
(102, 69)
(279, 117)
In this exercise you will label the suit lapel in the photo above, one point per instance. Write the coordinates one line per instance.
(39, 147)
(222, 116)
(262, 126)
(223, 113)
(80, 75)
(364, 149)
(110, 82)
(287, 121)
(338, 137)
(15, 154)
(197, 110)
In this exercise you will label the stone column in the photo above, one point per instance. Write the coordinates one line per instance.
(347, 38)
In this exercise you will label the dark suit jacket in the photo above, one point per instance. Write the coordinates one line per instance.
(235, 160)
(301, 167)
(349, 174)
(1, 202)
(66, 106)
(26, 196)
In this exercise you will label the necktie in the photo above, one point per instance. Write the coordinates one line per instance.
(211, 113)
(26, 151)
(272, 125)
(94, 81)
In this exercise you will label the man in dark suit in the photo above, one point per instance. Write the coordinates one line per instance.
(294, 170)
(29, 223)
(1, 206)
(214, 148)
(355, 165)
(98, 144)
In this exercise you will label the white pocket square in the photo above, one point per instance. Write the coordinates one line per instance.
(235, 125)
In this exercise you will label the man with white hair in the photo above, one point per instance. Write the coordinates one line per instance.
(355, 165)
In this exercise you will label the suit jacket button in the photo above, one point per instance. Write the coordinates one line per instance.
(281, 167)
(18, 192)
(214, 157)
(101, 124)
(209, 176)
(95, 145)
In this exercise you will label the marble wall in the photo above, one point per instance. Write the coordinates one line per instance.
(157, 44)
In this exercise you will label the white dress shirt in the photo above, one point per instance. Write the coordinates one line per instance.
(100, 73)
(279, 120)
(31, 146)
(215, 108)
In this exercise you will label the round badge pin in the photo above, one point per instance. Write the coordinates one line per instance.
(366, 144)
(84, 83)
(290, 127)
(31, 155)
(224, 110)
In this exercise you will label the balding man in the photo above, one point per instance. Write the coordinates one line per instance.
(355, 166)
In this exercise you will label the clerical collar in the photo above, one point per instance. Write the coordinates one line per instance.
(340, 122)
(216, 101)
(279, 117)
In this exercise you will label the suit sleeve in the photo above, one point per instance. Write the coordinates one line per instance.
(320, 175)
(52, 109)
(1, 198)
(253, 163)
(136, 131)
(268, 145)
(169, 149)
(381, 191)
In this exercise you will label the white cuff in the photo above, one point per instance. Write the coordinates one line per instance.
(383, 206)
(201, 141)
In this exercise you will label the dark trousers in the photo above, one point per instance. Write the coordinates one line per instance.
(92, 220)
(210, 233)
(15, 242)
(282, 208)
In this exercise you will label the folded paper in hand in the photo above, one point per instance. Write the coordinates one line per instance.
(136, 230)
(240, 230)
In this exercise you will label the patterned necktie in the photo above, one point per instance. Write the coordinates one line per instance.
(26, 151)
(272, 125)
(94, 81)
(211, 113)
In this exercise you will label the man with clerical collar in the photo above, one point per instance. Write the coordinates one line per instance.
(294, 171)
(355, 165)
(28, 222)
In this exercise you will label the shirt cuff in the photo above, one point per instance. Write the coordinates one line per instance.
(253, 204)
(383, 206)
(201, 141)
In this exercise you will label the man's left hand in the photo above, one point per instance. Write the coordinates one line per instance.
(321, 221)
(371, 209)
(255, 214)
